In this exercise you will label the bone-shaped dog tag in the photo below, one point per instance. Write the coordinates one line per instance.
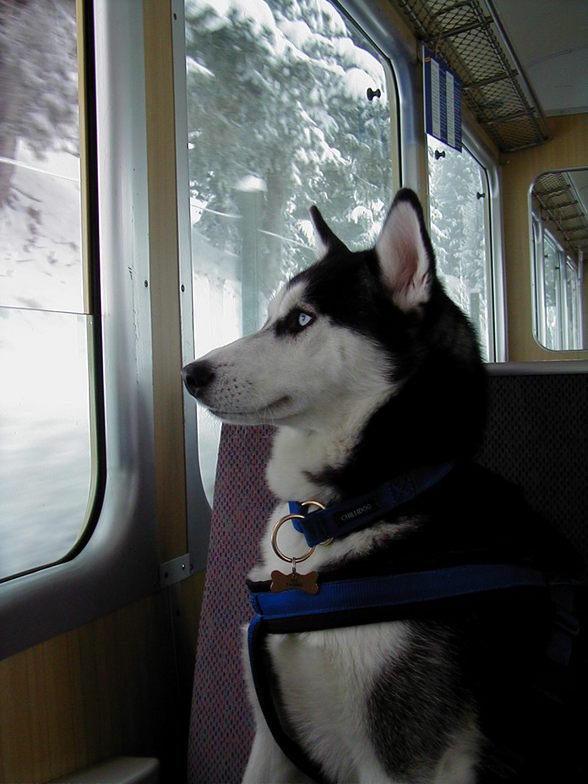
(302, 582)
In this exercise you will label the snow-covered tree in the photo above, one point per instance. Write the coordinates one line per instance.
(38, 80)
(40, 216)
(278, 89)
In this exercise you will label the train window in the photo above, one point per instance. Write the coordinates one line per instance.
(558, 292)
(558, 229)
(287, 106)
(46, 470)
(459, 199)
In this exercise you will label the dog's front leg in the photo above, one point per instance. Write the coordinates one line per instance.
(267, 762)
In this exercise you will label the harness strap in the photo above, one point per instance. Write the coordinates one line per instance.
(393, 592)
(261, 671)
(367, 600)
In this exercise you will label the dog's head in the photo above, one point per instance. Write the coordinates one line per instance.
(346, 335)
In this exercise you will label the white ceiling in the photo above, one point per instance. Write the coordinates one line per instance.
(550, 38)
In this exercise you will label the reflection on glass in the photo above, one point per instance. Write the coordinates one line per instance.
(45, 470)
(559, 236)
(458, 193)
(278, 119)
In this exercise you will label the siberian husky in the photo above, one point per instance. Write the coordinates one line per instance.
(368, 370)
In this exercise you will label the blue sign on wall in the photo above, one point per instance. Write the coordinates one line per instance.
(442, 101)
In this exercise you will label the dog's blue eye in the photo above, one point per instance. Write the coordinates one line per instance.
(294, 322)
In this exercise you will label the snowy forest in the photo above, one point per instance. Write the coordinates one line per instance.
(278, 90)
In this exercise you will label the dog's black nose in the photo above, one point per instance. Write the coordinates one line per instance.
(197, 376)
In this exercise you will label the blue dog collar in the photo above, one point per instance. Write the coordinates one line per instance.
(352, 515)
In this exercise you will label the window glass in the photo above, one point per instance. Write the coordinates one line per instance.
(459, 219)
(573, 298)
(287, 107)
(558, 222)
(45, 465)
(558, 300)
(552, 301)
(537, 282)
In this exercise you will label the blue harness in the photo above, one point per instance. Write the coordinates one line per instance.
(351, 602)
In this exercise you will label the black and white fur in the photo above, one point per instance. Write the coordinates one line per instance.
(367, 369)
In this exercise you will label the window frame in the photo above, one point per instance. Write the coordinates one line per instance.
(198, 509)
(118, 563)
(494, 240)
(569, 315)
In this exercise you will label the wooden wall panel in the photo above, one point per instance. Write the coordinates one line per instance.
(119, 685)
(106, 688)
(164, 282)
(568, 148)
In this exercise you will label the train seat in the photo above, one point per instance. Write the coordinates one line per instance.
(221, 726)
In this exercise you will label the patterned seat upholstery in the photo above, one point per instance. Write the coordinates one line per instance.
(536, 437)
(221, 727)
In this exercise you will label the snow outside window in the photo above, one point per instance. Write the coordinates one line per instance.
(45, 452)
(460, 231)
(287, 107)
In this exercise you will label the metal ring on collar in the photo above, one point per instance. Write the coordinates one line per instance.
(294, 559)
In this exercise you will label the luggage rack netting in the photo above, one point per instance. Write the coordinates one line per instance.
(469, 37)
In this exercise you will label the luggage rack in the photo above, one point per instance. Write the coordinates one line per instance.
(468, 36)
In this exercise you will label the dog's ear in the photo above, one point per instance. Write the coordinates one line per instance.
(326, 239)
(405, 253)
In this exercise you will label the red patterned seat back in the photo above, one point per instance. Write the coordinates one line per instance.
(221, 728)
